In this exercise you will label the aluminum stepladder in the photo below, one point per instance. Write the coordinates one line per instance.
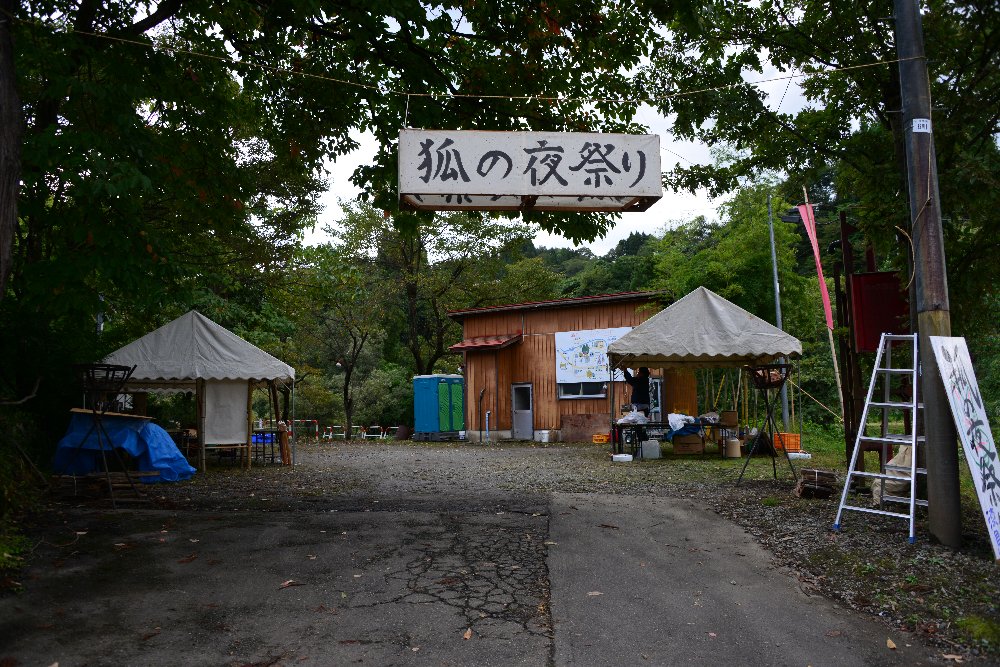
(885, 371)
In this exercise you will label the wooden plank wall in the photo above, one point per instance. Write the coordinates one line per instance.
(533, 360)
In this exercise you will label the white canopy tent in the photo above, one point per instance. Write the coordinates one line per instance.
(193, 353)
(702, 330)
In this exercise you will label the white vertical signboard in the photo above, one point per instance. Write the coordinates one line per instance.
(973, 426)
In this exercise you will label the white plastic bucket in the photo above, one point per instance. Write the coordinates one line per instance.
(732, 448)
(650, 449)
(621, 458)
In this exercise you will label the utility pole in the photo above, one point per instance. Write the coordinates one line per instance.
(777, 308)
(930, 276)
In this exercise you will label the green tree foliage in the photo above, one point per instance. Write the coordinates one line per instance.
(158, 156)
(339, 323)
(733, 259)
(429, 267)
(628, 273)
(851, 125)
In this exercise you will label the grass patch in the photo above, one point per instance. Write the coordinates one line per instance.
(771, 501)
(977, 628)
(13, 545)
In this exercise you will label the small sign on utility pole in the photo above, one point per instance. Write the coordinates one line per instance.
(973, 426)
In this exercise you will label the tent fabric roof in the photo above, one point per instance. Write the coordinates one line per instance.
(702, 329)
(194, 347)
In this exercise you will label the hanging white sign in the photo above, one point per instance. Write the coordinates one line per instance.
(473, 169)
(973, 426)
(582, 356)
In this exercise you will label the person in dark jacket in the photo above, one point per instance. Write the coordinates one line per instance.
(640, 389)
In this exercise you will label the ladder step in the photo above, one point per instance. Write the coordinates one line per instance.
(890, 466)
(904, 500)
(908, 371)
(904, 406)
(895, 439)
(906, 337)
(871, 510)
(880, 475)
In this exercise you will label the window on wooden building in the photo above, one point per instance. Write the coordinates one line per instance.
(583, 389)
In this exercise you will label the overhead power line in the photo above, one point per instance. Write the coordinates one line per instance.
(546, 98)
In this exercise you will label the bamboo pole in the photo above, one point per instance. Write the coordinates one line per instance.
(829, 334)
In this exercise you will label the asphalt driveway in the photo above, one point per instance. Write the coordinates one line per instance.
(448, 575)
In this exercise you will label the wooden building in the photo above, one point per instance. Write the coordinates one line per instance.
(520, 379)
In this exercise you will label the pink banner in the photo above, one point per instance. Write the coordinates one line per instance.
(806, 211)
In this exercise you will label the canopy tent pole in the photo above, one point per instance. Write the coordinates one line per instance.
(611, 408)
(249, 423)
(199, 389)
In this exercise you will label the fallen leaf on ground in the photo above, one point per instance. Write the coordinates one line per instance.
(188, 559)
(834, 633)
(468, 634)
(608, 525)
(150, 635)
(951, 657)
(288, 583)
(311, 556)
(592, 593)
(890, 644)
(415, 649)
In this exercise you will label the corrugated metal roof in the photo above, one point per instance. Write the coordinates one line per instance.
(486, 343)
(555, 303)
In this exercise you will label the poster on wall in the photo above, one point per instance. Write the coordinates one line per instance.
(582, 356)
(973, 426)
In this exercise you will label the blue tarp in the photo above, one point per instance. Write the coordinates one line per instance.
(152, 448)
(690, 429)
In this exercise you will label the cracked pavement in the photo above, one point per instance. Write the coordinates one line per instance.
(432, 557)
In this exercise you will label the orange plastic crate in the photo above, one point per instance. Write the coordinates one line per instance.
(790, 442)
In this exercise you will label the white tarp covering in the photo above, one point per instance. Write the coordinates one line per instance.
(543, 170)
(226, 412)
(702, 329)
(194, 347)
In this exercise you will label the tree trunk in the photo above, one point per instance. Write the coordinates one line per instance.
(11, 129)
(348, 404)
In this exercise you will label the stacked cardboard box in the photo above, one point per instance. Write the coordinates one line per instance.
(688, 444)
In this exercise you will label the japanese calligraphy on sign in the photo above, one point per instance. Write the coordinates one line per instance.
(973, 426)
(442, 169)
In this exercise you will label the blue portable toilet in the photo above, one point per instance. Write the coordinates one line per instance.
(438, 407)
